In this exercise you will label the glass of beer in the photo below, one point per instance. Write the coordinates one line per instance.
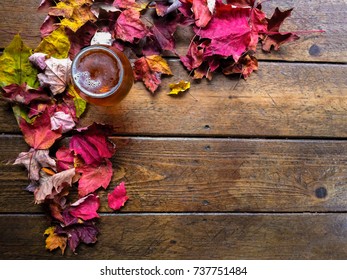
(102, 75)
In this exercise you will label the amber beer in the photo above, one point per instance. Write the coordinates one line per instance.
(102, 75)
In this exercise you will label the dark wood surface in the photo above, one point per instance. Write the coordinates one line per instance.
(233, 169)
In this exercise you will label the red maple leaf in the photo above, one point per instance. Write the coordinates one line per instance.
(94, 177)
(39, 134)
(274, 38)
(149, 69)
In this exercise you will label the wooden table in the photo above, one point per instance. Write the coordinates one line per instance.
(253, 169)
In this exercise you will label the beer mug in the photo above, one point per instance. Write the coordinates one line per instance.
(102, 75)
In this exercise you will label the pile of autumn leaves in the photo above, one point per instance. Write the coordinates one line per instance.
(46, 111)
(224, 38)
(47, 108)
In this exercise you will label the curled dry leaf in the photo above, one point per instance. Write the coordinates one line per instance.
(75, 13)
(34, 160)
(54, 241)
(39, 60)
(51, 185)
(181, 86)
(245, 66)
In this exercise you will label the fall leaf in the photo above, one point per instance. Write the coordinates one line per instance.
(149, 69)
(275, 38)
(245, 66)
(51, 185)
(163, 30)
(65, 158)
(201, 12)
(94, 177)
(86, 207)
(228, 30)
(39, 134)
(20, 112)
(62, 121)
(99, 7)
(92, 144)
(75, 13)
(165, 7)
(129, 26)
(53, 240)
(92, 149)
(15, 67)
(56, 75)
(34, 160)
(77, 233)
(39, 60)
(118, 197)
(195, 55)
(22, 94)
(56, 44)
(48, 26)
(81, 38)
(181, 86)
(79, 102)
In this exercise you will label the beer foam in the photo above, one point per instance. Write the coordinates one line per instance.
(96, 72)
(84, 80)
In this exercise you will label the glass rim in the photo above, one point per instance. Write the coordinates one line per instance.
(90, 93)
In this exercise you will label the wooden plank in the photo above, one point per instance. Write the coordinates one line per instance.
(21, 17)
(209, 175)
(189, 236)
(282, 99)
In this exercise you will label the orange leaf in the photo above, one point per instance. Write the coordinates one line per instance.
(149, 69)
(53, 240)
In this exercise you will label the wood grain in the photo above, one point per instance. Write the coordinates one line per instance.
(208, 175)
(282, 100)
(189, 236)
(22, 17)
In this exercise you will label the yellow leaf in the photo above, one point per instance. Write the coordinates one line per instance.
(53, 240)
(75, 13)
(57, 44)
(80, 103)
(181, 86)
